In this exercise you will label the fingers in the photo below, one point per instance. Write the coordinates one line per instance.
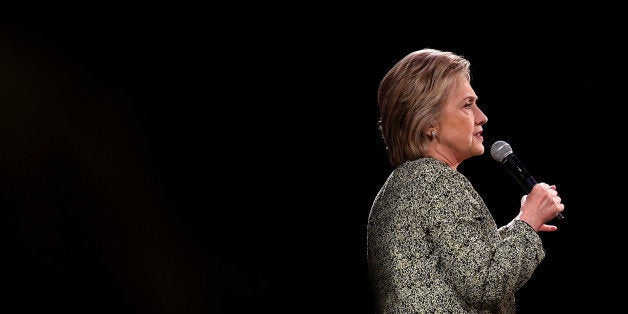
(548, 187)
(556, 200)
(552, 192)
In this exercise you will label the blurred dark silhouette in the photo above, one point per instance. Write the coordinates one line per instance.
(87, 223)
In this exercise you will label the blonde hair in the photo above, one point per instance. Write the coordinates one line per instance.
(410, 98)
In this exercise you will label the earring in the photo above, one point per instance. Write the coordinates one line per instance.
(433, 133)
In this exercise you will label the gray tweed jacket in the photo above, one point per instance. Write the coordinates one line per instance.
(433, 246)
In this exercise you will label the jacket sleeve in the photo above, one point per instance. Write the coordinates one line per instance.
(482, 266)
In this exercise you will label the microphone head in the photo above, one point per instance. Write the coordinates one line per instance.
(500, 150)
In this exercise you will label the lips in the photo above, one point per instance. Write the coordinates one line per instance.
(479, 136)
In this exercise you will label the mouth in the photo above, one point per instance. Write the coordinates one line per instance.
(479, 136)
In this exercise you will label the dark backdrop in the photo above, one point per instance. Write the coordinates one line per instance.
(172, 161)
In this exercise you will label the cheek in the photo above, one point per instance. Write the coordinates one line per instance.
(463, 129)
(463, 125)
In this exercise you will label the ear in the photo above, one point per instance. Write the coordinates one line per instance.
(432, 133)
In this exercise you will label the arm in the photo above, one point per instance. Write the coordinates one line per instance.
(481, 266)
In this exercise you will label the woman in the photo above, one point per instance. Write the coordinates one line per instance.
(433, 245)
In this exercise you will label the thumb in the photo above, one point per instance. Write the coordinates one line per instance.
(548, 228)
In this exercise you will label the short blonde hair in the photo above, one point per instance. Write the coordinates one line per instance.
(410, 98)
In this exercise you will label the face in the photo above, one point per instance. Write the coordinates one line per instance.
(460, 128)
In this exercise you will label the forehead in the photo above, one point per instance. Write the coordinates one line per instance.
(461, 90)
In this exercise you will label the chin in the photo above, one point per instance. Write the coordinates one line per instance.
(479, 150)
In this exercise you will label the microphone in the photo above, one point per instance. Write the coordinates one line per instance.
(502, 152)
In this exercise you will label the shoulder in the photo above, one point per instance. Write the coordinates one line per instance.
(427, 170)
(421, 180)
(432, 180)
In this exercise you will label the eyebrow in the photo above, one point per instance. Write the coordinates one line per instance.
(470, 97)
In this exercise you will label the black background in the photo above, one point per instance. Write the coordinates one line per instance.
(161, 160)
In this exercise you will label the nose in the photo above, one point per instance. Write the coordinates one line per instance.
(480, 117)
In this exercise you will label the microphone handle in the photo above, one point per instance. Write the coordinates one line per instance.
(522, 176)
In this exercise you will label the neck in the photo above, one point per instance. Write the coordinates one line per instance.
(435, 151)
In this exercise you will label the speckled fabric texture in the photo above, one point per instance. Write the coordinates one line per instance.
(434, 247)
